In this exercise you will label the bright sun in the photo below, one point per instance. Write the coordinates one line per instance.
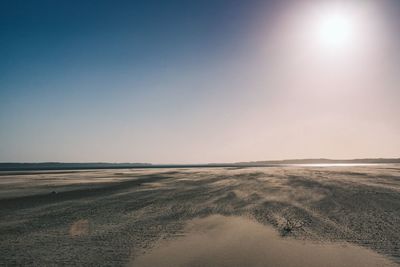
(335, 30)
(330, 33)
(336, 27)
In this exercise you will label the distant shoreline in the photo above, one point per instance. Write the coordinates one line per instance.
(11, 166)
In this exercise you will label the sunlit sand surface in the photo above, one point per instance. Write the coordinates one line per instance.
(235, 241)
(313, 216)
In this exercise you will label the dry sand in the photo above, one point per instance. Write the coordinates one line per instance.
(120, 217)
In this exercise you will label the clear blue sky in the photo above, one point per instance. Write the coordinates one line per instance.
(179, 82)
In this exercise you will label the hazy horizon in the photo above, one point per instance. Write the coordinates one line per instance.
(199, 82)
(300, 161)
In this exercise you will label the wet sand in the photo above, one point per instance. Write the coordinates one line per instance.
(235, 241)
(117, 217)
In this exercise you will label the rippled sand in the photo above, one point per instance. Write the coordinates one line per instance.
(117, 217)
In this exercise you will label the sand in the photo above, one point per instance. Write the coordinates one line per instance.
(235, 241)
(117, 217)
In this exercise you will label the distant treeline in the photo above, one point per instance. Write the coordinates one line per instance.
(323, 161)
(104, 165)
(67, 166)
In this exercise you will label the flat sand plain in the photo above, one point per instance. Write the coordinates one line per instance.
(166, 217)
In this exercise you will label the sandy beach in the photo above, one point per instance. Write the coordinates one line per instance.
(278, 216)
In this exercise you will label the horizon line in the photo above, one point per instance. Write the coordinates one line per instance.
(237, 162)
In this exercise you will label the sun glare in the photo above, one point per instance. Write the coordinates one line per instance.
(336, 27)
(335, 30)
